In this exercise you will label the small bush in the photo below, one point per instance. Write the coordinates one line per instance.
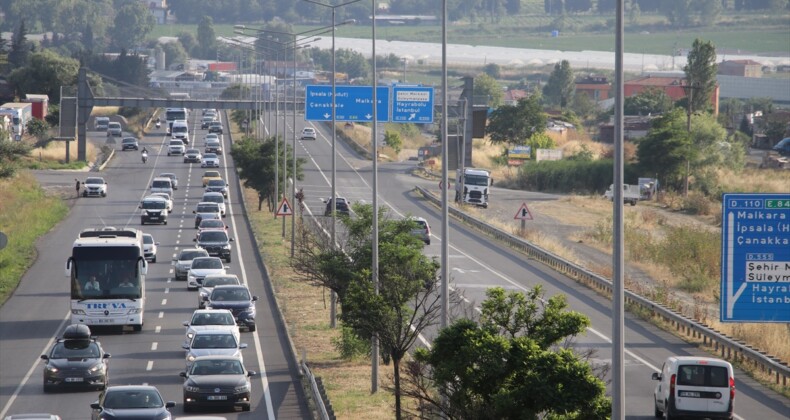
(350, 345)
(697, 203)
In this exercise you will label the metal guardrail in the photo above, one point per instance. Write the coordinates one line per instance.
(324, 407)
(726, 346)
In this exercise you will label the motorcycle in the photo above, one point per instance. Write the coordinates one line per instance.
(145, 157)
(158, 124)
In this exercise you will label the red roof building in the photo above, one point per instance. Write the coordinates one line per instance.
(596, 87)
(672, 86)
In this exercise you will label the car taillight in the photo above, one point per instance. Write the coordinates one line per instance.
(732, 388)
(672, 384)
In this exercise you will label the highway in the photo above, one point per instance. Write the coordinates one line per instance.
(478, 263)
(39, 308)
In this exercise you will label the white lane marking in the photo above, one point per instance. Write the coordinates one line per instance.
(33, 367)
(167, 290)
(154, 345)
(164, 302)
(169, 280)
(161, 315)
(150, 365)
(158, 329)
(258, 348)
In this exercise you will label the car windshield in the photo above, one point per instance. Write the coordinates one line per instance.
(212, 223)
(211, 174)
(216, 183)
(219, 281)
(73, 349)
(217, 367)
(232, 294)
(161, 184)
(213, 236)
(476, 180)
(193, 151)
(154, 204)
(214, 341)
(116, 399)
(148, 239)
(201, 263)
(213, 319)
(210, 156)
(214, 198)
(129, 140)
(94, 181)
(176, 143)
(207, 208)
(191, 255)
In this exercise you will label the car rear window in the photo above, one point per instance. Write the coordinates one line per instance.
(161, 184)
(703, 375)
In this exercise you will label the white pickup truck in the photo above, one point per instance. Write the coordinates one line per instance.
(631, 194)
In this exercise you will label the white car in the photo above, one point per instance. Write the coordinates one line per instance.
(149, 247)
(193, 156)
(210, 160)
(215, 197)
(95, 187)
(308, 133)
(176, 147)
(214, 280)
(167, 198)
(184, 261)
(694, 386)
(211, 319)
(202, 267)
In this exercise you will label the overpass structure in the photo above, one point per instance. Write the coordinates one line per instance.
(85, 102)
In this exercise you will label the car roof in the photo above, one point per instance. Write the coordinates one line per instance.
(210, 311)
(166, 175)
(211, 173)
(232, 286)
(33, 416)
(211, 194)
(213, 258)
(221, 275)
(129, 138)
(94, 178)
(154, 198)
(214, 332)
(131, 388)
(185, 250)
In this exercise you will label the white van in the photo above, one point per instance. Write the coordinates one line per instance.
(180, 130)
(162, 185)
(695, 387)
(101, 123)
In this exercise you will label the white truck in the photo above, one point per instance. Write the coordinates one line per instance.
(474, 188)
(19, 113)
(631, 194)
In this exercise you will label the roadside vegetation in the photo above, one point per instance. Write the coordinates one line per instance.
(26, 213)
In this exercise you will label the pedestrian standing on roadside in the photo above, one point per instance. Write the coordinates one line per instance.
(77, 186)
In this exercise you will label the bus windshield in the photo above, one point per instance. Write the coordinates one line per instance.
(176, 114)
(106, 272)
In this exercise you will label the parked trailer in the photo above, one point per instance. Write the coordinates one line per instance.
(20, 113)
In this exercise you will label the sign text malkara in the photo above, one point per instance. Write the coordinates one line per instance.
(755, 260)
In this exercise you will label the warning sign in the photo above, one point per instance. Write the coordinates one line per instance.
(284, 209)
(523, 213)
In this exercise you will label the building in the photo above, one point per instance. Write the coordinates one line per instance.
(595, 86)
(634, 127)
(673, 86)
(512, 96)
(158, 9)
(743, 68)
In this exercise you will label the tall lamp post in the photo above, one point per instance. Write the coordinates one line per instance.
(332, 238)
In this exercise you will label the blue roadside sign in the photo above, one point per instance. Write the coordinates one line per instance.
(755, 258)
(353, 103)
(412, 104)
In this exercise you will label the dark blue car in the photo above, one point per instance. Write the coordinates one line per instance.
(238, 300)
(131, 402)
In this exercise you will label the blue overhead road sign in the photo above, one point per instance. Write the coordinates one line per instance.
(755, 258)
(354, 103)
(412, 104)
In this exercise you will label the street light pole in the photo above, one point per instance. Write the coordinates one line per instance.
(333, 230)
(374, 385)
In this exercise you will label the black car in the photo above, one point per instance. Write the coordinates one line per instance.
(341, 207)
(215, 127)
(77, 360)
(129, 143)
(217, 381)
(218, 185)
(131, 402)
(216, 243)
(238, 300)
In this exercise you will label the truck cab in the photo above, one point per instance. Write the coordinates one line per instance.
(476, 185)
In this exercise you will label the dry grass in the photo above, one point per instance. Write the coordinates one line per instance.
(105, 111)
(306, 311)
(754, 180)
(56, 151)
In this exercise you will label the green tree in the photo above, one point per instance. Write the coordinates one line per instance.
(679, 13)
(36, 127)
(189, 42)
(647, 102)
(46, 73)
(20, 47)
(584, 106)
(406, 303)
(514, 124)
(255, 161)
(485, 85)
(560, 86)
(540, 141)
(666, 148)
(3, 55)
(131, 25)
(493, 70)
(710, 11)
(393, 140)
(10, 153)
(701, 69)
(207, 38)
(236, 91)
(174, 53)
(510, 364)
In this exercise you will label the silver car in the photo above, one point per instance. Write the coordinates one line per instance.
(200, 268)
(184, 261)
(211, 319)
(149, 247)
(214, 280)
(213, 343)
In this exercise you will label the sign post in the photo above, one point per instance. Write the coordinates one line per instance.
(523, 214)
(755, 258)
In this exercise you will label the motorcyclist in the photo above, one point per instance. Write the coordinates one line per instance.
(144, 154)
(158, 122)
